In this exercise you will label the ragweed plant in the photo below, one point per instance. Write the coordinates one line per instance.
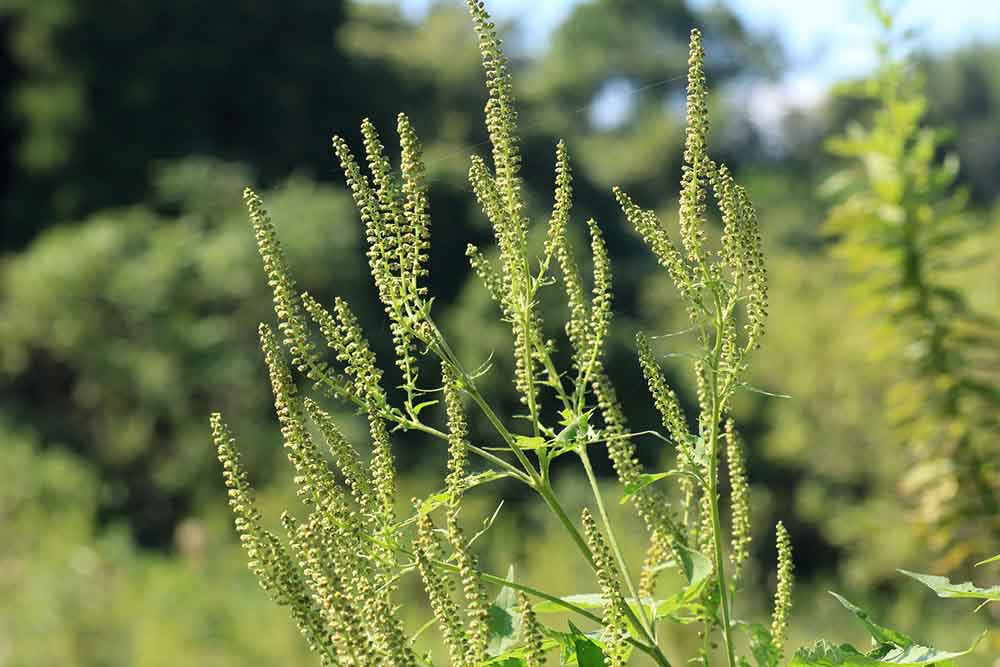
(339, 568)
(902, 228)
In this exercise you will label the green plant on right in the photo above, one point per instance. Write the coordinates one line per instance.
(902, 228)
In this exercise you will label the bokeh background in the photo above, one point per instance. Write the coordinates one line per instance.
(130, 289)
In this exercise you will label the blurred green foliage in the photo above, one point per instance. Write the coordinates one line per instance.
(902, 227)
(130, 290)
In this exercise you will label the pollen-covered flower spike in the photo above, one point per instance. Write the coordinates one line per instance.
(534, 655)
(288, 308)
(616, 630)
(739, 498)
(783, 593)
(427, 550)
(267, 557)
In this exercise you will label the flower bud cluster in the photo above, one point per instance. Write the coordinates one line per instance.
(614, 621)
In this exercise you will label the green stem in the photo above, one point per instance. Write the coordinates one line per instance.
(549, 496)
(713, 492)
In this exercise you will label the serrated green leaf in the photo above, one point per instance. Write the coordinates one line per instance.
(761, 644)
(945, 589)
(880, 634)
(824, 654)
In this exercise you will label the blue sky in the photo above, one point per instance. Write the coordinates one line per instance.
(829, 37)
(824, 40)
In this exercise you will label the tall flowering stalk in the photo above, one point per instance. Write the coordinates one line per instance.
(339, 567)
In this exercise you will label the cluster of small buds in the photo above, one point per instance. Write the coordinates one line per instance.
(669, 257)
(476, 602)
(783, 593)
(557, 245)
(458, 433)
(427, 550)
(383, 466)
(704, 532)
(531, 629)
(344, 618)
(266, 556)
(651, 502)
(516, 298)
(663, 396)
(487, 272)
(704, 396)
(657, 553)
(416, 237)
(616, 630)
(753, 261)
(291, 320)
(247, 517)
(313, 476)
(724, 188)
(343, 335)
(739, 498)
(346, 457)
(600, 308)
(501, 115)
(697, 166)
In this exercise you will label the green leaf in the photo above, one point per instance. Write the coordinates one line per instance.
(824, 654)
(504, 620)
(646, 479)
(880, 634)
(584, 600)
(530, 441)
(581, 649)
(757, 390)
(433, 502)
(761, 644)
(505, 661)
(573, 427)
(696, 567)
(945, 589)
(420, 406)
(591, 601)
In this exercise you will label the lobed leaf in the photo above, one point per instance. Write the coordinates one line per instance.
(824, 654)
(945, 589)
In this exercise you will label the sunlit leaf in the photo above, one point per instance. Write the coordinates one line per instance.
(879, 633)
(945, 589)
(824, 654)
